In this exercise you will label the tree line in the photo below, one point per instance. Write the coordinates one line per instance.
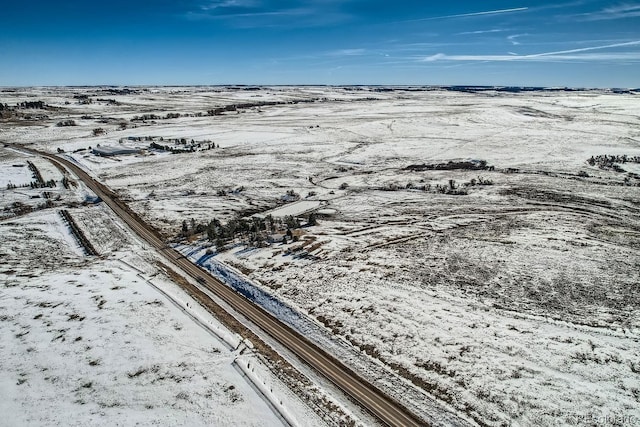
(25, 105)
(254, 231)
(451, 187)
(611, 161)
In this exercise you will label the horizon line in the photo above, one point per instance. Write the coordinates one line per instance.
(262, 85)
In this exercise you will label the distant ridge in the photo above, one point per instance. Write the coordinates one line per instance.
(133, 89)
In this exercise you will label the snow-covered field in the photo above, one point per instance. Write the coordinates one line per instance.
(516, 304)
(111, 340)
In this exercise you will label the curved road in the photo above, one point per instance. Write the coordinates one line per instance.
(375, 401)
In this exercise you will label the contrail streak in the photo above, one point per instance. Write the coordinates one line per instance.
(545, 56)
(584, 49)
(462, 15)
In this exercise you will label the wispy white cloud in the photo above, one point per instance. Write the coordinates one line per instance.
(439, 57)
(275, 13)
(566, 5)
(514, 38)
(269, 13)
(421, 46)
(497, 30)
(466, 15)
(223, 4)
(347, 52)
(609, 13)
(563, 55)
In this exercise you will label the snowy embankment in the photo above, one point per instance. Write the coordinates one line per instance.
(261, 297)
(420, 402)
(238, 282)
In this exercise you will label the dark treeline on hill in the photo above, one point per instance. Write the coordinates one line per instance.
(25, 105)
(120, 91)
(174, 150)
(235, 107)
(605, 161)
(32, 104)
(451, 165)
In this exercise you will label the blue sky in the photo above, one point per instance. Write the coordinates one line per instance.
(578, 43)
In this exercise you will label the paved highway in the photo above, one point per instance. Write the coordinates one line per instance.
(375, 401)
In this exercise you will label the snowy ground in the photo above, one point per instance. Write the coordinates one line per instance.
(111, 340)
(515, 304)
